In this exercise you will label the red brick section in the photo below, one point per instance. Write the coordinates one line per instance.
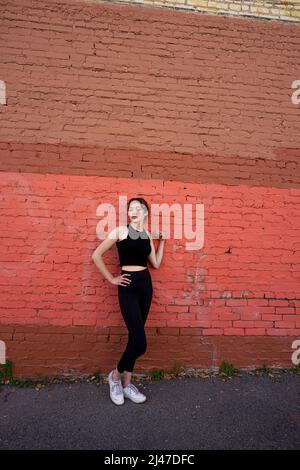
(240, 288)
(38, 351)
(119, 90)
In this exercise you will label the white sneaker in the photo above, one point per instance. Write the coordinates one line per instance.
(115, 390)
(131, 392)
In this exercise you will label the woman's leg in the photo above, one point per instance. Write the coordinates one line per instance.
(145, 298)
(116, 374)
(131, 312)
(126, 376)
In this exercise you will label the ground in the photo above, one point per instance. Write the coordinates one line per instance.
(208, 411)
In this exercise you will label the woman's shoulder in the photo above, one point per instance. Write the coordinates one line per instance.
(121, 232)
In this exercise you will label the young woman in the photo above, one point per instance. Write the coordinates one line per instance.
(135, 247)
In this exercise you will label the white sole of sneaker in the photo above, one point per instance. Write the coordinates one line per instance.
(135, 401)
(121, 403)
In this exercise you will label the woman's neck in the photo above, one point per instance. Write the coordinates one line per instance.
(138, 227)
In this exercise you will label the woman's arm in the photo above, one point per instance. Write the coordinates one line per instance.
(156, 258)
(97, 258)
(100, 250)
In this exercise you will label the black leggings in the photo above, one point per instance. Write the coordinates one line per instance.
(135, 300)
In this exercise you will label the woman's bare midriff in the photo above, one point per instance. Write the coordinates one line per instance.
(133, 268)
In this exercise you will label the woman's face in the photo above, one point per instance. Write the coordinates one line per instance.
(137, 211)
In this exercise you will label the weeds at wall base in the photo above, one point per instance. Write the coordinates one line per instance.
(179, 371)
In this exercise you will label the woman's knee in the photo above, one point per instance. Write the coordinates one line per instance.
(141, 347)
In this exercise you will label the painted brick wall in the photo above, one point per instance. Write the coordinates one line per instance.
(109, 99)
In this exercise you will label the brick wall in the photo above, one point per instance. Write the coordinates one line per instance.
(265, 9)
(108, 99)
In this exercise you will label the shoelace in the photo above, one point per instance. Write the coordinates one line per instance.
(133, 388)
(117, 386)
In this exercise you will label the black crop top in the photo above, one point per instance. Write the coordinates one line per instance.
(135, 248)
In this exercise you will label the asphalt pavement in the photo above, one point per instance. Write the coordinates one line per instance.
(244, 412)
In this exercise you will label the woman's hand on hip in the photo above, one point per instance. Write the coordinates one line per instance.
(121, 280)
